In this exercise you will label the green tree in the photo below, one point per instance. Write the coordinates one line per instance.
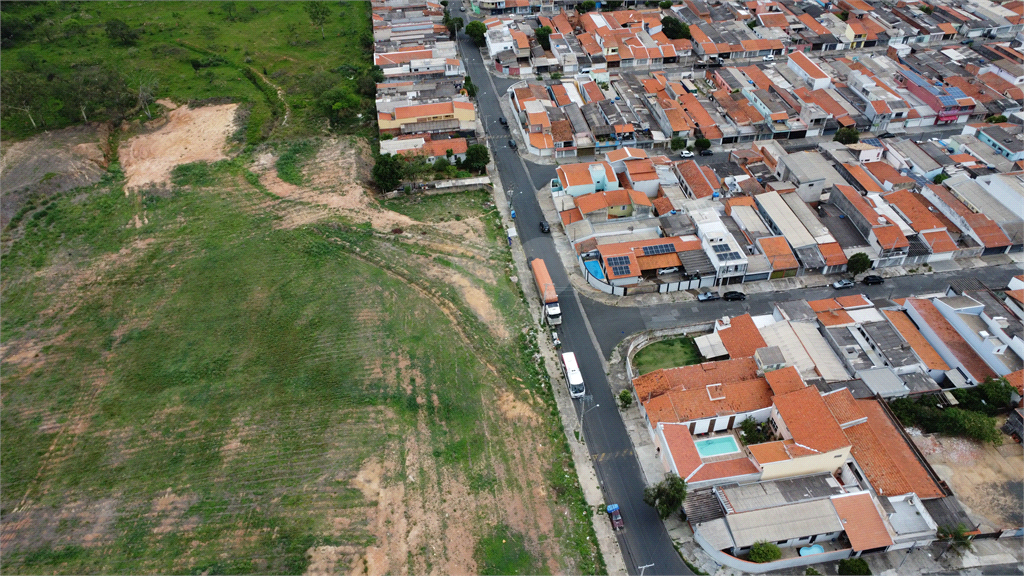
(752, 433)
(970, 424)
(702, 144)
(444, 3)
(625, 399)
(476, 30)
(926, 9)
(584, 7)
(956, 539)
(940, 178)
(854, 567)
(318, 14)
(998, 118)
(678, 143)
(477, 157)
(998, 392)
(120, 32)
(388, 172)
(229, 10)
(470, 88)
(762, 552)
(21, 93)
(674, 28)
(858, 263)
(543, 33)
(847, 136)
(666, 496)
(441, 165)
(811, 572)
(665, 5)
(844, 15)
(454, 25)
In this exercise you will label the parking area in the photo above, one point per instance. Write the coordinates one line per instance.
(840, 226)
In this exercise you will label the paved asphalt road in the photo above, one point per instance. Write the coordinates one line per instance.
(644, 540)
(612, 323)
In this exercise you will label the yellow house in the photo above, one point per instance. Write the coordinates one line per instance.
(440, 117)
(812, 440)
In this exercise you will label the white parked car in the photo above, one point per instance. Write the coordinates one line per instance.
(686, 154)
(668, 270)
(768, 58)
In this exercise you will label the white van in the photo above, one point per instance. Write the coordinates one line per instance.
(573, 377)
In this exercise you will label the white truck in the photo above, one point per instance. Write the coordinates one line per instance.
(548, 294)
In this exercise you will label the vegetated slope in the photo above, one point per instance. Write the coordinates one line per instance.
(238, 383)
(70, 62)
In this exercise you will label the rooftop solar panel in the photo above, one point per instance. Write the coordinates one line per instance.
(618, 261)
(659, 249)
(620, 270)
(719, 248)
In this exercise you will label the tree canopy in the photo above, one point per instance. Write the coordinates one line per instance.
(666, 496)
(702, 143)
(858, 263)
(847, 136)
(543, 34)
(318, 14)
(476, 30)
(120, 32)
(674, 28)
(387, 172)
(762, 552)
(477, 157)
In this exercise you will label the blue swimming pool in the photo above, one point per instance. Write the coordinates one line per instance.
(717, 446)
(594, 267)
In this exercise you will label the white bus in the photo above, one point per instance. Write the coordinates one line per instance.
(573, 377)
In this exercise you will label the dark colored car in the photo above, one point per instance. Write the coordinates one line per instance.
(706, 153)
(887, 135)
(512, 144)
(503, 121)
(544, 227)
(869, 280)
(732, 296)
(615, 516)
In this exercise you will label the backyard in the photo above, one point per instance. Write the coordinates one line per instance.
(666, 354)
(252, 367)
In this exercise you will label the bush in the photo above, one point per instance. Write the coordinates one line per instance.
(859, 262)
(625, 399)
(753, 433)
(678, 142)
(762, 552)
(995, 119)
(854, 567)
(702, 144)
(961, 420)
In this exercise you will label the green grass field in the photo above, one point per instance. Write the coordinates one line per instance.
(276, 39)
(207, 387)
(666, 354)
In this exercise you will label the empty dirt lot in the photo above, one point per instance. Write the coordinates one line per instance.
(987, 479)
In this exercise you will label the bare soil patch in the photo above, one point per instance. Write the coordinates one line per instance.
(51, 163)
(987, 479)
(190, 135)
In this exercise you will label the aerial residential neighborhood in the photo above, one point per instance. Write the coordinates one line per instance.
(817, 157)
(512, 287)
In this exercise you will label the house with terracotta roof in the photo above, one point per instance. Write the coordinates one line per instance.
(808, 71)
(989, 235)
(932, 241)
(780, 257)
(883, 234)
(584, 178)
(614, 204)
(706, 398)
(445, 116)
(967, 368)
(680, 455)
